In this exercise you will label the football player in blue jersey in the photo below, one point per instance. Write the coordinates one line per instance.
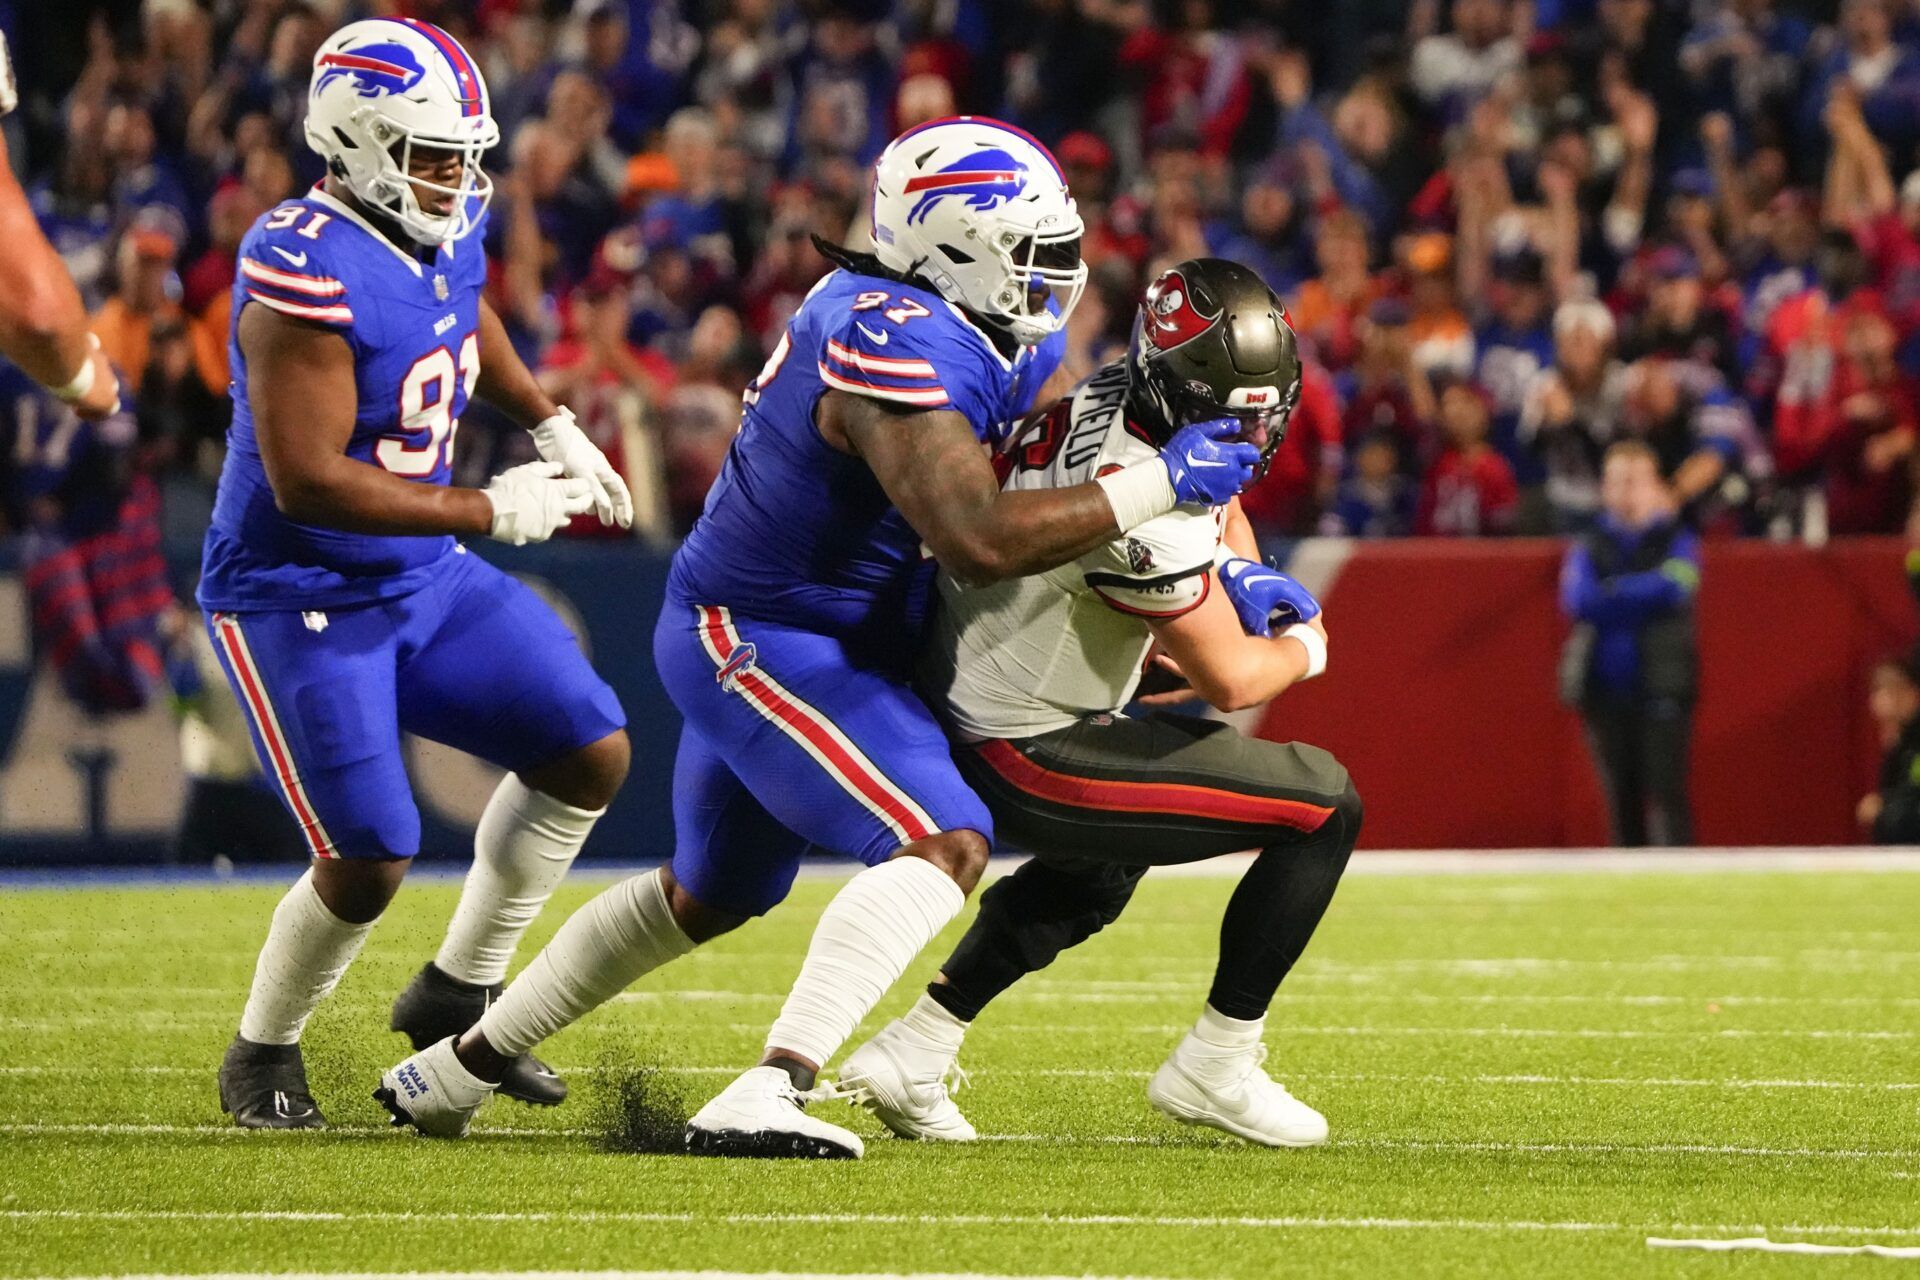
(344, 608)
(791, 623)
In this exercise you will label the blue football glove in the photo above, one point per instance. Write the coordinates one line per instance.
(1265, 597)
(1206, 464)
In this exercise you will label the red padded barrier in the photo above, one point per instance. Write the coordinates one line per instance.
(1442, 696)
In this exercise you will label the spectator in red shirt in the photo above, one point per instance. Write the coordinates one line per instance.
(229, 214)
(1387, 391)
(1196, 79)
(1471, 489)
(1854, 441)
(610, 384)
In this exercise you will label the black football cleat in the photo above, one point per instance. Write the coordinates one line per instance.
(264, 1086)
(435, 1006)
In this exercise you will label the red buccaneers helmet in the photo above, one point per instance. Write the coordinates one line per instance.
(1213, 341)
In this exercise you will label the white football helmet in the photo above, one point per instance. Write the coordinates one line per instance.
(980, 210)
(384, 86)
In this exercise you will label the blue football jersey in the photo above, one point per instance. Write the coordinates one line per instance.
(414, 330)
(796, 531)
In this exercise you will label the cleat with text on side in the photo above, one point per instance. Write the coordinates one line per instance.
(435, 1006)
(264, 1086)
(902, 1077)
(432, 1092)
(762, 1115)
(1226, 1089)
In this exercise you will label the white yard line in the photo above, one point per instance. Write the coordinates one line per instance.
(1453, 862)
(1520, 1033)
(1096, 991)
(926, 1219)
(1108, 1073)
(604, 1028)
(1760, 1244)
(229, 1132)
(582, 1275)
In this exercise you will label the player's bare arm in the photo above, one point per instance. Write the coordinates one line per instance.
(505, 381)
(1226, 666)
(933, 469)
(43, 327)
(932, 466)
(303, 396)
(1237, 533)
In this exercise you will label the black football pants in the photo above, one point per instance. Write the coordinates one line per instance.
(1100, 801)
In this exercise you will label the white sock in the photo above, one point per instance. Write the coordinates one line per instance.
(307, 949)
(865, 940)
(933, 1021)
(525, 843)
(1221, 1032)
(600, 951)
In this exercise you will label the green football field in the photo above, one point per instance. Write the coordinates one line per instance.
(1526, 1074)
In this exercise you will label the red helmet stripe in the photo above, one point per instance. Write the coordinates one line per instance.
(989, 121)
(360, 62)
(933, 181)
(463, 73)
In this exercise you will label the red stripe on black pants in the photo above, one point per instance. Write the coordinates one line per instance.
(1099, 802)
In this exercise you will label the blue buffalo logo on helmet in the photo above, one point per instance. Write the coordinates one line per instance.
(985, 178)
(374, 70)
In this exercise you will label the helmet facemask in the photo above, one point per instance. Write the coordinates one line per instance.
(394, 189)
(1182, 404)
(1037, 267)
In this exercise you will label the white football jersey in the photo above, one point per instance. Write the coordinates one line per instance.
(9, 88)
(1030, 655)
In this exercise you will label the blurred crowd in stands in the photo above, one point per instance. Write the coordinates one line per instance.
(1510, 232)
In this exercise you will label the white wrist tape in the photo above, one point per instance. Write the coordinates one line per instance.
(1138, 493)
(1316, 647)
(82, 381)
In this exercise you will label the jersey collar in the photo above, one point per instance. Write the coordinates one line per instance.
(986, 340)
(347, 211)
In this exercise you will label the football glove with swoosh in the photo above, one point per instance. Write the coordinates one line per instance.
(1264, 597)
(1205, 463)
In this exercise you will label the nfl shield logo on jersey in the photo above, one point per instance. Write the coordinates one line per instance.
(440, 288)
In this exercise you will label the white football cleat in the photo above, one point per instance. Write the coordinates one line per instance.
(432, 1092)
(902, 1077)
(1226, 1089)
(762, 1114)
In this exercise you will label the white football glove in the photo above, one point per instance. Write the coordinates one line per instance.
(560, 440)
(533, 500)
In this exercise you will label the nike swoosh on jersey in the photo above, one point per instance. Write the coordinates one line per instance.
(297, 259)
(879, 339)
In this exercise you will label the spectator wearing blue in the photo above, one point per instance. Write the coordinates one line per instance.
(1631, 664)
(1377, 499)
(1513, 345)
(1882, 71)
